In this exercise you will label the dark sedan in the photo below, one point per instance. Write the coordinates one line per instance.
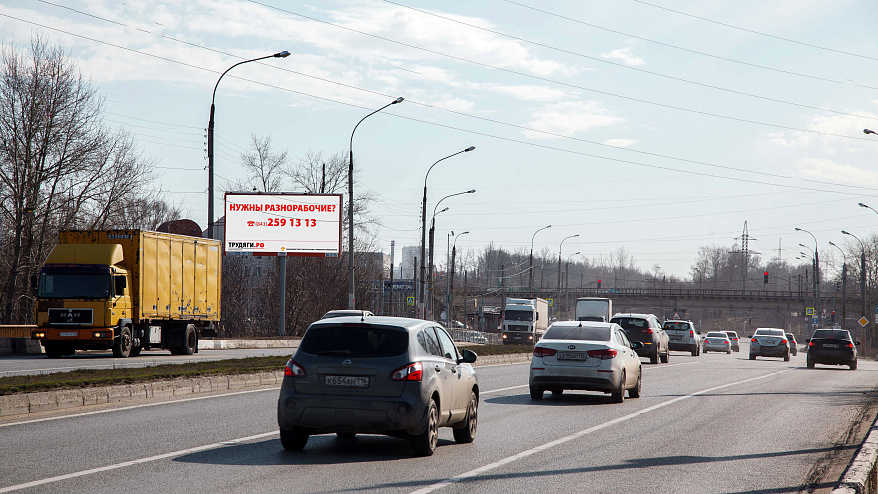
(832, 347)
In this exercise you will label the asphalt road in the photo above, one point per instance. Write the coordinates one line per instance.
(17, 365)
(714, 423)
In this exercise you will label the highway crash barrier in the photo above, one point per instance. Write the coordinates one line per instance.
(861, 477)
(16, 339)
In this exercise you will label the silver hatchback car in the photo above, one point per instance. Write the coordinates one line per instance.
(378, 375)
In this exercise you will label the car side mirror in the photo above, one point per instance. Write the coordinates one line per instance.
(807, 340)
(635, 345)
(469, 356)
(857, 343)
(750, 336)
(698, 332)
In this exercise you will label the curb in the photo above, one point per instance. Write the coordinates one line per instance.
(860, 477)
(237, 344)
(67, 399)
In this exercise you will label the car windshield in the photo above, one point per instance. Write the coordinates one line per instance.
(836, 334)
(790, 336)
(769, 332)
(677, 326)
(360, 341)
(566, 332)
(86, 284)
(519, 315)
(629, 323)
(717, 335)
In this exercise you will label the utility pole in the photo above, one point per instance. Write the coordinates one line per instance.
(392, 246)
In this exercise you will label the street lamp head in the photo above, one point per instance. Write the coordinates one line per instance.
(446, 209)
(867, 131)
(550, 226)
(862, 205)
(576, 235)
(471, 191)
(844, 232)
(398, 100)
(283, 54)
(469, 149)
(798, 229)
(464, 233)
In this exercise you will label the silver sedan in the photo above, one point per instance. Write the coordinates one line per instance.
(717, 341)
(590, 356)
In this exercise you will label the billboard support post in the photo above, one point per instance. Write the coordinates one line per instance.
(282, 289)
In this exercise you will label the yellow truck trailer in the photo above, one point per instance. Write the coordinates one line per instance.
(128, 290)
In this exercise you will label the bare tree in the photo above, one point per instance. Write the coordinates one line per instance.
(265, 167)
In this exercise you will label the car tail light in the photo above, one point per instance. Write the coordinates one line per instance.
(604, 354)
(411, 372)
(784, 342)
(811, 343)
(544, 352)
(293, 369)
(850, 345)
(691, 334)
(754, 340)
(646, 331)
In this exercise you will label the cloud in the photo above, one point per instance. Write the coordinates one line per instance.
(620, 143)
(624, 54)
(825, 169)
(570, 118)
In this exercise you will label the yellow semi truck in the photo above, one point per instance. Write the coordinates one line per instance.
(129, 290)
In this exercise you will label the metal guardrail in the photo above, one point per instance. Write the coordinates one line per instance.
(11, 331)
(473, 336)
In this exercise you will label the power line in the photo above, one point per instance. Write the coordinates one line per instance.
(711, 55)
(450, 127)
(757, 32)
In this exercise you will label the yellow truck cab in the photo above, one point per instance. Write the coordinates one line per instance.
(128, 290)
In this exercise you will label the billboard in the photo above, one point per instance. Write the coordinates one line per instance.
(284, 224)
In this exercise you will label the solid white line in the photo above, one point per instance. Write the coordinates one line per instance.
(576, 435)
(136, 462)
(144, 405)
(504, 389)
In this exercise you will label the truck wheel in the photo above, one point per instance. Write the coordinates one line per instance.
(190, 340)
(53, 350)
(122, 346)
(135, 351)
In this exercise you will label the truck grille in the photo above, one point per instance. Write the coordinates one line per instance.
(75, 317)
(517, 327)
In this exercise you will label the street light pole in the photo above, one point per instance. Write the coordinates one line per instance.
(559, 259)
(449, 270)
(567, 283)
(210, 125)
(351, 296)
(428, 303)
(421, 304)
(862, 272)
(531, 266)
(844, 285)
(816, 274)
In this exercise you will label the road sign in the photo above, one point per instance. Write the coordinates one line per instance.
(876, 309)
(809, 311)
(551, 302)
(863, 321)
(676, 315)
(410, 300)
(813, 321)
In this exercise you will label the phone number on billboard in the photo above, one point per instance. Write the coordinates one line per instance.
(307, 222)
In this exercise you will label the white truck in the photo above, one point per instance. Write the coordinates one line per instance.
(524, 320)
(593, 309)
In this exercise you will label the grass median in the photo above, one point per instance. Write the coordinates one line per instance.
(85, 378)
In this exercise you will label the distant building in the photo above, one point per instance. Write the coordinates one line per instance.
(406, 265)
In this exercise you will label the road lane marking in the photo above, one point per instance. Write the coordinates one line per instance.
(137, 462)
(143, 405)
(576, 435)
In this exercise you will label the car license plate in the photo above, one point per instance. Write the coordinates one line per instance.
(830, 345)
(571, 356)
(69, 333)
(346, 381)
(676, 337)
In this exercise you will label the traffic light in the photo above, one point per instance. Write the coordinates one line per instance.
(765, 277)
(833, 317)
(838, 286)
(599, 283)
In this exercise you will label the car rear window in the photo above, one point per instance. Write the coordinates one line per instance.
(631, 323)
(360, 341)
(770, 332)
(577, 333)
(677, 326)
(731, 334)
(717, 335)
(838, 334)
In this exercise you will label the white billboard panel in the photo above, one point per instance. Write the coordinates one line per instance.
(283, 224)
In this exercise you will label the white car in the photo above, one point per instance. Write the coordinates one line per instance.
(584, 355)
(769, 342)
(717, 341)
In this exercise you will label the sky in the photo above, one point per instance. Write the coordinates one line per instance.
(658, 126)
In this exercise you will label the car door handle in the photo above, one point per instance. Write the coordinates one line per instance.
(454, 370)
(438, 368)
